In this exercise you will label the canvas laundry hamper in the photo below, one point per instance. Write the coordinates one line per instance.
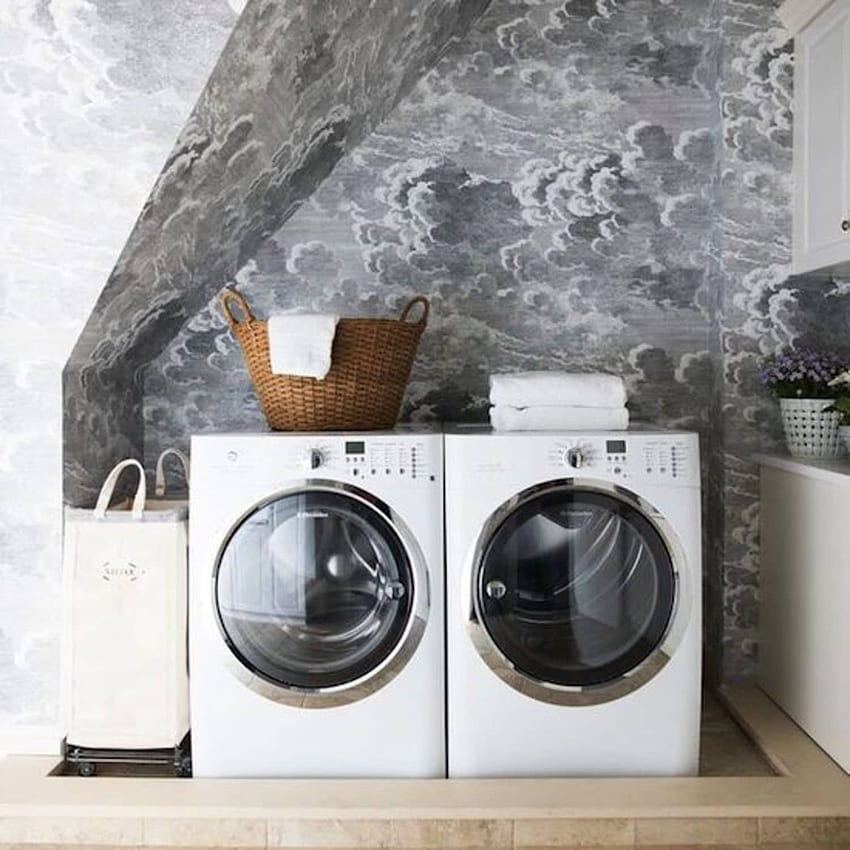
(126, 677)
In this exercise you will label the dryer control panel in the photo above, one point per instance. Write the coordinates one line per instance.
(649, 458)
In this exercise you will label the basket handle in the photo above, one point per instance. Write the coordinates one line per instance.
(160, 469)
(232, 295)
(106, 491)
(419, 299)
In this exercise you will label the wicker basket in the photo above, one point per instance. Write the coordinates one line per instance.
(370, 364)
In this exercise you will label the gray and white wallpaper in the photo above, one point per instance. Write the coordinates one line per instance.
(92, 96)
(576, 184)
(761, 308)
(580, 185)
(299, 84)
(550, 186)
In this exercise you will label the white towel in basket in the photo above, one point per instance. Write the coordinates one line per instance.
(301, 345)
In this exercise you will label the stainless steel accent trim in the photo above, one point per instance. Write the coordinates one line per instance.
(397, 659)
(543, 691)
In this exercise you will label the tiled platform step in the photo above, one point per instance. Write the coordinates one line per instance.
(805, 805)
(419, 834)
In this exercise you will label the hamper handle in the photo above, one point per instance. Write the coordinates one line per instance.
(419, 299)
(232, 295)
(105, 495)
(160, 469)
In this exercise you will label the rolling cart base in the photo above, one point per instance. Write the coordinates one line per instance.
(85, 760)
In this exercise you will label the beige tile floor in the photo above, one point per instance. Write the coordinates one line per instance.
(805, 803)
(725, 749)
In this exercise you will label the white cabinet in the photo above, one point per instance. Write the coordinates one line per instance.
(821, 135)
(804, 623)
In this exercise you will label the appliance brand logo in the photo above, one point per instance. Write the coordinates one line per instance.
(312, 515)
(128, 571)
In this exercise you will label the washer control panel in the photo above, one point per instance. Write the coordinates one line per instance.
(383, 456)
(353, 458)
(646, 457)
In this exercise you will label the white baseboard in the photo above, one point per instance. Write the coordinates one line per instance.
(29, 740)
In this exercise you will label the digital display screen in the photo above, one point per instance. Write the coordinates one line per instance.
(615, 447)
(355, 448)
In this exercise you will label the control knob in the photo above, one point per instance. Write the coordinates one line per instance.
(575, 457)
(313, 459)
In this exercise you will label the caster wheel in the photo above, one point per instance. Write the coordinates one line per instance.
(184, 768)
(87, 768)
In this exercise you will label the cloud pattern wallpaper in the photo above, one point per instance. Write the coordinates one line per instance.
(297, 87)
(92, 96)
(583, 184)
(580, 185)
(576, 184)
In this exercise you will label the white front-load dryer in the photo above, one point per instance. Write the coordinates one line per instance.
(316, 605)
(573, 580)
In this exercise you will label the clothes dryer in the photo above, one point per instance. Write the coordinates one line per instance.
(573, 576)
(316, 605)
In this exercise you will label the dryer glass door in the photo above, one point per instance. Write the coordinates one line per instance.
(313, 590)
(575, 587)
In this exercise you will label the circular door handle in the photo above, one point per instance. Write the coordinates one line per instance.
(495, 589)
(395, 590)
(845, 225)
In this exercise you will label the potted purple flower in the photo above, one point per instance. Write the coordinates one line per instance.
(801, 378)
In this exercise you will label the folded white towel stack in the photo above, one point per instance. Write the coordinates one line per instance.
(560, 417)
(301, 345)
(528, 389)
(558, 401)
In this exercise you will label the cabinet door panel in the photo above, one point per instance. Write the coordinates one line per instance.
(804, 622)
(821, 141)
(825, 148)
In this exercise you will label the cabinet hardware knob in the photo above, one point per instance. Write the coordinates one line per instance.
(845, 225)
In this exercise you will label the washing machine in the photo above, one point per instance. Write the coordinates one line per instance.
(316, 629)
(573, 581)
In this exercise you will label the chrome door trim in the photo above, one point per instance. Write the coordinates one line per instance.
(398, 657)
(579, 695)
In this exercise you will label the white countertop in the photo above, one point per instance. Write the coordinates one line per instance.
(835, 470)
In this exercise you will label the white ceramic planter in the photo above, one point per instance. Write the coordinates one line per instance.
(809, 431)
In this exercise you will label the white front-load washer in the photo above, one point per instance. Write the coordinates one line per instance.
(573, 584)
(316, 629)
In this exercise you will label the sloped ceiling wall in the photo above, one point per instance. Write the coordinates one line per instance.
(298, 85)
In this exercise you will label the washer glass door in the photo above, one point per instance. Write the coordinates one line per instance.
(314, 590)
(575, 588)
